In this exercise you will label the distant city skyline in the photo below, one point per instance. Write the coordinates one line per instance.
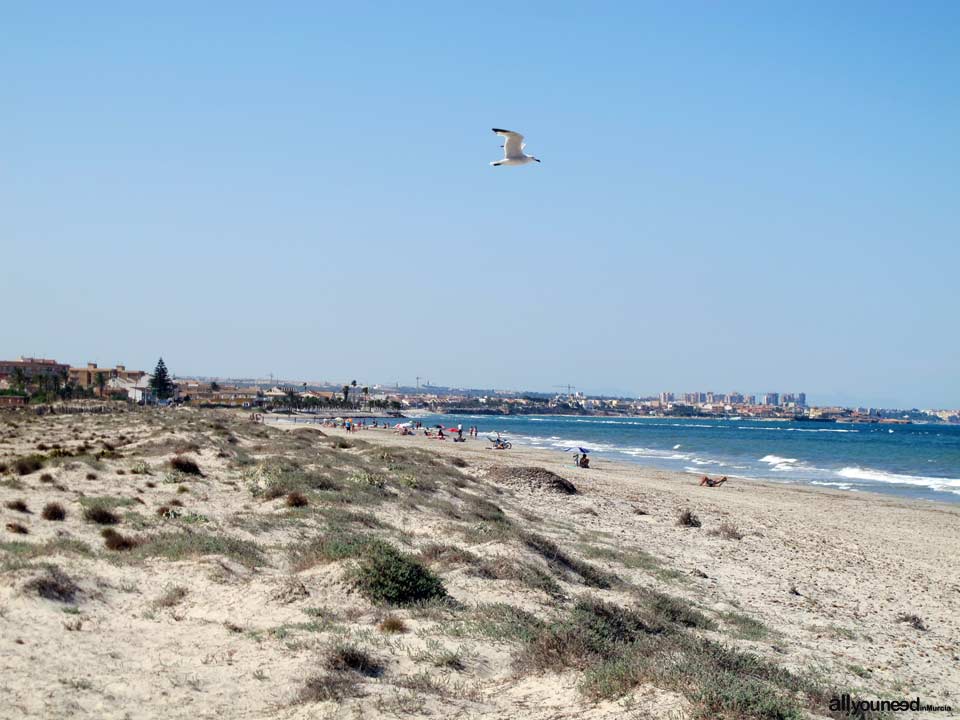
(801, 398)
(732, 195)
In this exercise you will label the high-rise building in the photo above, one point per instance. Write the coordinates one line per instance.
(666, 398)
(801, 399)
(770, 399)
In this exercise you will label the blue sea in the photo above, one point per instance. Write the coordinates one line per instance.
(915, 461)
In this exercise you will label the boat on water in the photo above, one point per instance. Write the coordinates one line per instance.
(807, 418)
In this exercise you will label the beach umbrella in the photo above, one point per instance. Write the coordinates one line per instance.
(582, 450)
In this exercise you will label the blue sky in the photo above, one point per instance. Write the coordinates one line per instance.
(741, 196)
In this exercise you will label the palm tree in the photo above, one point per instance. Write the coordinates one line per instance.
(346, 391)
(366, 395)
(101, 382)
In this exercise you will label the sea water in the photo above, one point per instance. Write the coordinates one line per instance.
(916, 461)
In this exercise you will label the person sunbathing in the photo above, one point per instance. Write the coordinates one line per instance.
(713, 483)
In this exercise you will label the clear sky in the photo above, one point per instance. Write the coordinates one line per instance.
(753, 196)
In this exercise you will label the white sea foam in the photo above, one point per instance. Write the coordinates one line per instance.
(793, 429)
(841, 485)
(776, 460)
(869, 474)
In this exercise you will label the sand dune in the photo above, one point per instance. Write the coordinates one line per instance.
(262, 588)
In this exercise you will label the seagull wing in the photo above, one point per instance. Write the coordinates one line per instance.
(513, 145)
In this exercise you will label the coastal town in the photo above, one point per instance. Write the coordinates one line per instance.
(32, 380)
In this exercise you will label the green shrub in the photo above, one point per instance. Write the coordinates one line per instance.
(386, 575)
(28, 464)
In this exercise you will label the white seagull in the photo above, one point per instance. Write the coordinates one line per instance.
(513, 149)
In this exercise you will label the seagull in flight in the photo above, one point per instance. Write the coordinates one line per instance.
(513, 149)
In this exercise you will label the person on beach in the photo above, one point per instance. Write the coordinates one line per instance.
(713, 483)
(584, 461)
(576, 459)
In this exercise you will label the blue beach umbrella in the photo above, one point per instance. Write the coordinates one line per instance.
(582, 450)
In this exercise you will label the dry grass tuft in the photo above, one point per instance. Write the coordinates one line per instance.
(688, 519)
(392, 624)
(18, 505)
(100, 515)
(17, 529)
(331, 687)
(171, 596)
(53, 584)
(297, 499)
(728, 531)
(28, 464)
(53, 511)
(46, 478)
(115, 541)
(345, 657)
(914, 621)
(185, 465)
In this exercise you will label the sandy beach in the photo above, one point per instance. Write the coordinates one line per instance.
(223, 603)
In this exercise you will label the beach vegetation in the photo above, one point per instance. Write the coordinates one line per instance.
(114, 540)
(185, 465)
(28, 464)
(297, 499)
(526, 573)
(53, 584)
(562, 563)
(500, 622)
(328, 687)
(914, 621)
(347, 657)
(171, 596)
(53, 511)
(392, 624)
(728, 531)
(101, 515)
(184, 545)
(744, 626)
(386, 575)
(688, 518)
(18, 505)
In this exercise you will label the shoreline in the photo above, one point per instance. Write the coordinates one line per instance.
(601, 459)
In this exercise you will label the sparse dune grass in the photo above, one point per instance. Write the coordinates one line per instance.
(29, 464)
(187, 545)
(381, 579)
(561, 562)
(619, 649)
